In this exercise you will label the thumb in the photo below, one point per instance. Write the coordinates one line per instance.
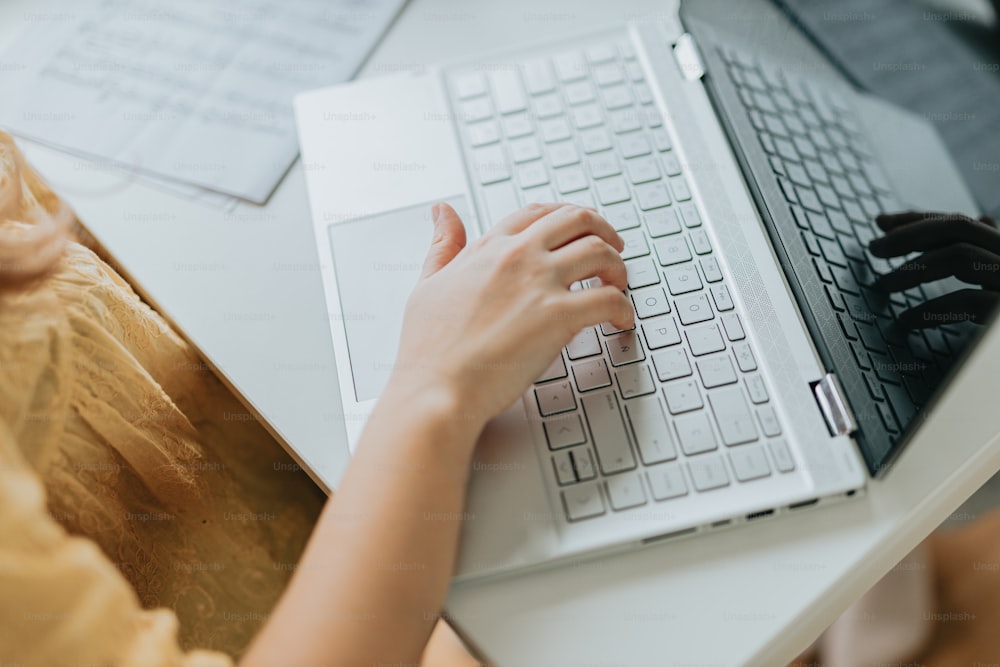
(448, 241)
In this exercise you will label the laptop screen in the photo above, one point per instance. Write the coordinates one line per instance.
(859, 199)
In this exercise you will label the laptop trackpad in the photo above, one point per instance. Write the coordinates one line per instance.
(377, 261)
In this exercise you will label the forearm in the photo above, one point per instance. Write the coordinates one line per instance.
(376, 570)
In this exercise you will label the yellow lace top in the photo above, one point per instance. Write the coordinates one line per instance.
(145, 518)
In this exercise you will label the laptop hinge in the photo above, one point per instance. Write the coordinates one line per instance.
(689, 58)
(830, 397)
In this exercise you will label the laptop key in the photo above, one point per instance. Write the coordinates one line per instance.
(570, 65)
(641, 272)
(519, 125)
(612, 190)
(583, 463)
(785, 148)
(888, 419)
(470, 84)
(603, 165)
(671, 364)
(591, 374)
(621, 216)
(507, 91)
(788, 190)
(805, 147)
(532, 174)
(623, 121)
(538, 77)
(584, 344)
(871, 338)
(543, 194)
(744, 357)
(666, 481)
(491, 165)
(476, 109)
(483, 133)
(501, 201)
(625, 348)
(756, 389)
(694, 309)
(547, 106)
(663, 222)
(716, 371)
(736, 424)
(609, 74)
(635, 380)
(661, 140)
(616, 97)
(635, 244)
(672, 250)
(692, 219)
(562, 463)
(625, 491)
(819, 223)
(595, 140)
(812, 246)
(650, 302)
(524, 149)
(661, 332)
(733, 327)
(768, 419)
(579, 92)
(642, 170)
(721, 297)
(671, 165)
(901, 403)
(602, 53)
(782, 455)
(555, 397)
(563, 153)
(571, 179)
(679, 186)
(808, 199)
(710, 267)
(607, 432)
(564, 431)
(749, 463)
(705, 339)
(607, 328)
(708, 472)
(682, 396)
(695, 433)
(700, 242)
(683, 279)
(652, 434)
(885, 368)
(652, 195)
(583, 501)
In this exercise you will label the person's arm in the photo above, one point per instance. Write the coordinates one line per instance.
(482, 323)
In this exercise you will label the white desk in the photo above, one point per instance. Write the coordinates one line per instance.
(753, 595)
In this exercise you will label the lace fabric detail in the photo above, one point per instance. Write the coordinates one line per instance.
(133, 440)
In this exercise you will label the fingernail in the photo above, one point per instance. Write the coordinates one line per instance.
(436, 212)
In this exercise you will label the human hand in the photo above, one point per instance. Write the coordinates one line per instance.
(952, 245)
(485, 320)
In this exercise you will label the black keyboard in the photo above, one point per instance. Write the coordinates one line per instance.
(834, 188)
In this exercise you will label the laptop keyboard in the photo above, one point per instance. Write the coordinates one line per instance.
(675, 405)
(834, 188)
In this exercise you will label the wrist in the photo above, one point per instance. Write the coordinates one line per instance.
(439, 407)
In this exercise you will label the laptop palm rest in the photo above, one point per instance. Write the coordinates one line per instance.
(377, 261)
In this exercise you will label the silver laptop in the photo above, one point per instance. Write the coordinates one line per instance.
(764, 374)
